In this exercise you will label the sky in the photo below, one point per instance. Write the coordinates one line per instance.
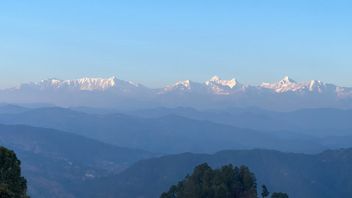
(159, 42)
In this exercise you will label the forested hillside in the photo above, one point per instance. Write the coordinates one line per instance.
(323, 175)
(12, 184)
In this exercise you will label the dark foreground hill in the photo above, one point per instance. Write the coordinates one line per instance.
(56, 162)
(324, 175)
(12, 184)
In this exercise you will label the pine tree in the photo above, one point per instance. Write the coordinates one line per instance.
(279, 195)
(12, 184)
(226, 182)
(265, 191)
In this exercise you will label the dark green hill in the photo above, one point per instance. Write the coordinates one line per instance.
(225, 182)
(12, 184)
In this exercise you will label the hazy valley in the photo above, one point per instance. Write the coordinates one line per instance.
(82, 152)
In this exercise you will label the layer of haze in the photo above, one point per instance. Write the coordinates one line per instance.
(159, 42)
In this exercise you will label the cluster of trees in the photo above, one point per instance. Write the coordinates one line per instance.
(265, 193)
(225, 182)
(12, 184)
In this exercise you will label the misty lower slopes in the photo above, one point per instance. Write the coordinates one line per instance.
(286, 94)
(69, 153)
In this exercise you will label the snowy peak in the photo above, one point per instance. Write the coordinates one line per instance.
(91, 84)
(218, 86)
(185, 85)
(83, 84)
(215, 92)
(216, 80)
(287, 80)
(316, 85)
(212, 87)
(284, 85)
(289, 85)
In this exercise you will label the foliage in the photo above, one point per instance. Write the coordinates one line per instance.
(265, 191)
(12, 184)
(225, 182)
(279, 195)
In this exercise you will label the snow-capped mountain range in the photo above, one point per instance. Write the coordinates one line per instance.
(314, 86)
(83, 84)
(215, 92)
(218, 86)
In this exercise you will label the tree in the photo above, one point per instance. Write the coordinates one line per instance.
(279, 195)
(265, 191)
(226, 182)
(12, 184)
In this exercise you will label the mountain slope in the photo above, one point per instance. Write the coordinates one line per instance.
(54, 162)
(316, 122)
(323, 175)
(168, 134)
(9, 109)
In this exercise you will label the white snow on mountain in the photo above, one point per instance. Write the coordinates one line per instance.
(313, 86)
(344, 92)
(223, 87)
(215, 92)
(284, 85)
(216, 80)
(180, 85)
(215, 85)
(83, 84)
(185, 86)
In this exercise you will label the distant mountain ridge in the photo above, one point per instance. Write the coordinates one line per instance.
(215, 92)
(167, 134)
(183, 130)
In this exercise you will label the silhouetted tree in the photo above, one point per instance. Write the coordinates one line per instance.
(226, 182)
(279, 195)
(265, 191)
(12, 185)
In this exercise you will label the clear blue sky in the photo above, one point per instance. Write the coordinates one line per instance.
(159, 42)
